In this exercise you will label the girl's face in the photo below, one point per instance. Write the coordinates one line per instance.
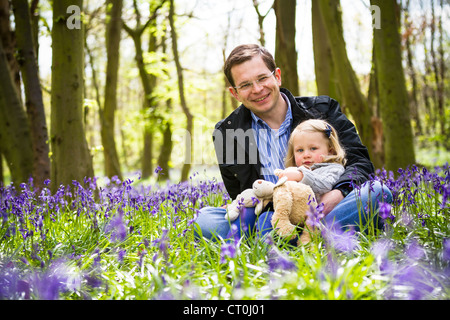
(309, 148)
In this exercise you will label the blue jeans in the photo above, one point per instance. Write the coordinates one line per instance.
(355, 210)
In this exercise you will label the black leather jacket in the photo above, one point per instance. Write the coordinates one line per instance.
(240, 167)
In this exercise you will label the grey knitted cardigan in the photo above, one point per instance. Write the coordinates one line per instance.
(322, 176)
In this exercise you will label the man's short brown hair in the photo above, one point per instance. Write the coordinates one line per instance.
(244, 53)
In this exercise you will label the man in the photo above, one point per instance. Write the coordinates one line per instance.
(252, 142)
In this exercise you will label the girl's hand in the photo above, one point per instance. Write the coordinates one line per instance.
(291, 173)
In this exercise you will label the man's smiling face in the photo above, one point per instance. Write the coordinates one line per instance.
(262, 98)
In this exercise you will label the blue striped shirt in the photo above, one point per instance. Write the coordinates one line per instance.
(272, 144)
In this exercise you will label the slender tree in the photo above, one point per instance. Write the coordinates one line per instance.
(261, 17)
(392, 89)
(35, 17)
(189, 117)
(438, 61)
(107, 114)
(324, 65)
(166, 123)
(71, 159)
(148, 82)
(285, 51)
(33, 93)
(350, 89)
(409, 39)
(8, 38)
(15, 137)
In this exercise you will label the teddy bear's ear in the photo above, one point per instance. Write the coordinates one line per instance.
(280, 182)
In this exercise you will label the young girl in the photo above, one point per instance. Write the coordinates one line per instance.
(314, 156)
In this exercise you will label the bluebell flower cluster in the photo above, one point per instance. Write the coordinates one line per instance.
(36, 264)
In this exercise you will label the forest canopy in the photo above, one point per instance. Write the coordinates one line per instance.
(123, 87)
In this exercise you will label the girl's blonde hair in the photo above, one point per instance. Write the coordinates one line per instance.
(329, 132)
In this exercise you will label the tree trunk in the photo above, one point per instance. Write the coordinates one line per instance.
(147, 83)
(445, 129)
(14, 130)
(2, 179)
(33, 93)
(189, 117)
(8, 38)
(261, 17)
(149, 109)
(352, 97)
(427, 90)
(35, 17)
(285, 52)
(9, 44)
(166, 128)
(107, 116)
(438, 67)
(147, 154)
(411, 70)
(394, 106)
(71, 159)
(377, 155)
(166, 148)
(323, 60)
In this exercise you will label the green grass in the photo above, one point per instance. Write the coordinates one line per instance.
(131, 241)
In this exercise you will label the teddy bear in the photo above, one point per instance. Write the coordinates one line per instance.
(284, 195)
(258, 196)
(291, 201)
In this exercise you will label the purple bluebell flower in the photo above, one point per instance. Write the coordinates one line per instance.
(341, 240)
(279, 261)
(331, 267)
(445, 195)
(234, 233)
(49, 284)
(93, 280)
(411, 282)
(414, 251)
(384, 210)
(23, 287)
(381, 250)
(97, 258)
(121, 255)
(141, 254)
(12, 287)
(446, 250)
(117, 227)
(227, 250)
(315, 215)
(163, 243)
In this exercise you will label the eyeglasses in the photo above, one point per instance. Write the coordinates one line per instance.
(249, 85)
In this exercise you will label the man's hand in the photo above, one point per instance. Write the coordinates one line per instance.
(330, 200)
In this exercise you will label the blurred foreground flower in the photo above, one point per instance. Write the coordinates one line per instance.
(117, 228)
(339, 239)
(227, 250)
(279, 261)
